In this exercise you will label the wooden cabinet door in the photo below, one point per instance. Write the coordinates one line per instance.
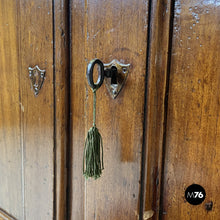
(160, 135)
(31, 142)
(183, 109)
(173, 139)
(192, 145)
(26, 120)
(108, 30)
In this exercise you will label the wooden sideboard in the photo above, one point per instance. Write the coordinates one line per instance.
(160, 135)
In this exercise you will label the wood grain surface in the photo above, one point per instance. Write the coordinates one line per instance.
(181, 127)
(158, 68)
(36, 48)
(192, 135)
(108, 30)
(27, 134)
(61, 59)
(10, 115)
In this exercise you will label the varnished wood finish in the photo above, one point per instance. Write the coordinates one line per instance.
(108, 30)
(61, 102)
(155, 113)
(192, 136)
(27, 134)
(36, 47)
(181, 127)
(10, 115)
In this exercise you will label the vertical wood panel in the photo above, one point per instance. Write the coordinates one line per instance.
(108, 30)
(61, 32)
(28, 153)
(36, 48)
(192, 143)
(77, 114)
(158, 64)
(10, 108)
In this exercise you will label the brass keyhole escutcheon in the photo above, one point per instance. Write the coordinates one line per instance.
(37, 77)
(113, 74)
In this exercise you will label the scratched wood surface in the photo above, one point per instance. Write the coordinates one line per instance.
(108, 30)
(26, 121)
(193, 130)
(158, 64)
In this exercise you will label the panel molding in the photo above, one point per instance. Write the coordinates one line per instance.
(61, 104)
(6, 216)
(158, 74)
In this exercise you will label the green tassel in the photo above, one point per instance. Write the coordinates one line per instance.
(93, 151)
(93, 154)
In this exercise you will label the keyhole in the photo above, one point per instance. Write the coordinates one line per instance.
(114, 75)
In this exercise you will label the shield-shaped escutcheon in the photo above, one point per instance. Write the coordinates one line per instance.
(122, 73)
(37, 77)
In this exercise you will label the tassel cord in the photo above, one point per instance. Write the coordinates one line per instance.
(94, 107)
(93, 150)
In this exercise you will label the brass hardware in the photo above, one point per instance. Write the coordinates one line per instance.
(114, 75)
(118, 78)
(37, 77)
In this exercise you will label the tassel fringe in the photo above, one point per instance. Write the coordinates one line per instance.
(93, 154)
